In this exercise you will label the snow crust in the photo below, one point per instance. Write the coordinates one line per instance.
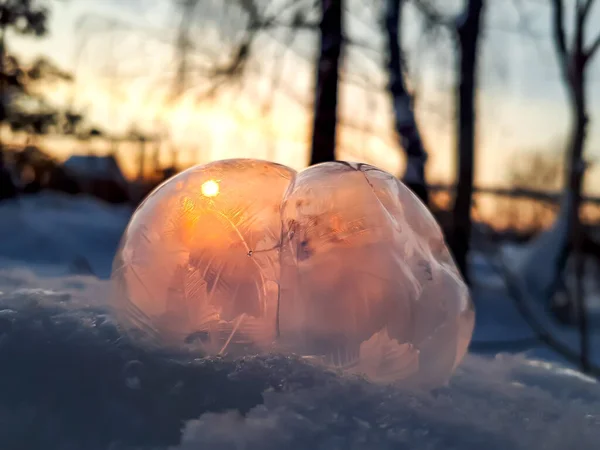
(70, 380)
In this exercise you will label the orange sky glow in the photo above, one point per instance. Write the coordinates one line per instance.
(514, 113)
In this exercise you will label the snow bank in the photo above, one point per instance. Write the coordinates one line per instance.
(61, 234)
(501, 327)
(70, 380)
(499, 404)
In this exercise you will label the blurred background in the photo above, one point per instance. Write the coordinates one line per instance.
(487, 110)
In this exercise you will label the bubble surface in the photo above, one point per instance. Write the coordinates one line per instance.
(339, 262)
(198, 263)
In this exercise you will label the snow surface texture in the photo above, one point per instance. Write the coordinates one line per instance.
(70, 380)
(61, 234)
(339, 262)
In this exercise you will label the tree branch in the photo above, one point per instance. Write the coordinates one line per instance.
(514, 291)
(584, 8)
(581, 13)
(592, 50)
(558, 30)
(433, 16)
(405, 122)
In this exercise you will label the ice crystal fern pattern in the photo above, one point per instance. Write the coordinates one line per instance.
(339, 262)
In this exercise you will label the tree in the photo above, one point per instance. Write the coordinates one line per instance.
(404, 117)
(207, 68)
(326, 90)
(24, 85)
(466, 28)
(574, 61)
(467, 31)
(25, 17)
(183, 45)
(543, 265)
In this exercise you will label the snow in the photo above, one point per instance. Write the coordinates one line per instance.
(499, 324)
(61, 234)
(71, 380)
(538, 262)
(533, 270)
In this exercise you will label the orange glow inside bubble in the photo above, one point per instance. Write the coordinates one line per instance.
(210, 188)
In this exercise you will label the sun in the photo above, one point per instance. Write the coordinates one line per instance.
(210, 188)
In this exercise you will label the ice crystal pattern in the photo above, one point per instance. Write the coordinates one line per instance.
(339, 262)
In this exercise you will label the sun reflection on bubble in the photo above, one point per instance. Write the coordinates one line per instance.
(210, 188)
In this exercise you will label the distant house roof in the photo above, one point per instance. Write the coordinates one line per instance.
(95, 167)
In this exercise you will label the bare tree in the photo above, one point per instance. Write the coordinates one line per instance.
(543, 267)
(326, 90)
(183, 46)
(466, 29)
(25, 17)
(574, 61)
(406, 125)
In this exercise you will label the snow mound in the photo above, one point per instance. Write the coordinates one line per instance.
(61, 234)
(70, 380)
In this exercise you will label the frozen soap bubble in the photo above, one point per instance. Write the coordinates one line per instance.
(340, 263)
(198, 263)
(367, 281)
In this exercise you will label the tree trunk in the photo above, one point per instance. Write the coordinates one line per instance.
(142, 159)
(326, 90)
(7, 186)
(2, 102)
(468, 25)
(576, 167)
(406, 125)
(575, 162)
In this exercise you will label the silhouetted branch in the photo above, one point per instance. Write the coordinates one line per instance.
(515, 292)
(593, 48)
(580, 16)
(584, 7)
(183, 46)
(559, 33)
(519, 193)
(538, 328)
(406, 125)
(433, 17)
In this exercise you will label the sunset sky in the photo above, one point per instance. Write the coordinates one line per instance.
(521, 104)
